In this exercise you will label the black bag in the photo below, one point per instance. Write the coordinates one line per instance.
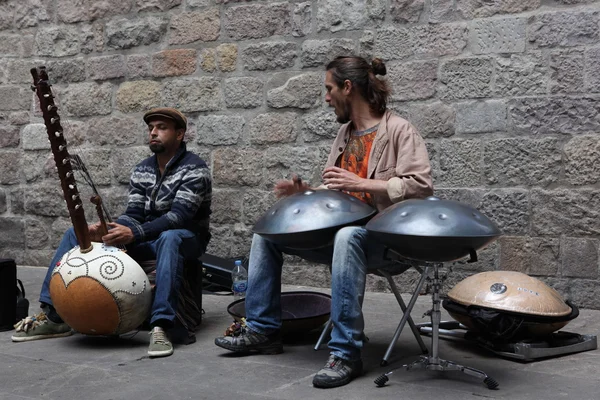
(13, 304)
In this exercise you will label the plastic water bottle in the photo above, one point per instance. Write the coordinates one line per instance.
(239, 275)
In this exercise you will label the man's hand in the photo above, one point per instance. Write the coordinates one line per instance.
(287, 188)
(118, 235)
(95, 232)
(340, 179)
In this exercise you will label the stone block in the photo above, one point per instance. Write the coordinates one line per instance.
(441, 11)
(193, 94)
(480, 116)
(18, 118)
(11, 45)
(36, 234)
(405, 11)
(116, 199)
(269, 55)
(301, 19)
(521, 75)
(12, 233)
(319, 125)
(317, 53)
(39, 165)
(15, 98)
(230, 240)
(530, 255)
(460, 163)
(105, 67)
(567, 71)
(45, 200)
(70, 11)
(433, 120)
(118, 131)
(580, 158)
(227, 56)
(138, 96)
(487, 260)
(505, 35)
(57, 41)
(226, 206)
(99, 163)
(273, 128)
(86, 99)
(394, 43)
(585, 293)
(283, 161)
(543, 115)
(366, 43)
(138, 66)
(7, 14)
(256, 203)
(255, 21)
(91, 38)
(470, 9)
(202, 3)
(563, 29)
(122, 33)
(237, 167)
(159, 5)
(466, 78)
(68, 70)
(17, 71)
(468, 196)
(522, 161)
(174, 62)
(243, 92)
(3, 203)
(299, 272)
(508, 209)
(189, 27)
(301, 91)
(208, 60)
(9, 135)
(220, 130)
(572, 212)
(125, 159)
(10, 164)
(338, 15)
(591, 68)
(579, 257)
(413, 80)
(35, 137)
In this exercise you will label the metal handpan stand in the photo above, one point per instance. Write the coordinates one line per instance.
(432, 361)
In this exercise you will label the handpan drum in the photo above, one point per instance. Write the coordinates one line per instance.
(310, 219)
(508, 302)
(432, 229)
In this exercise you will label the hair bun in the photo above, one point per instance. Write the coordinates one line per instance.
(378, 67)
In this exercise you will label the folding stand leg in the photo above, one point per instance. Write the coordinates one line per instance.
(326, 331)
(413, 327)
(433, 362)
(405, 316)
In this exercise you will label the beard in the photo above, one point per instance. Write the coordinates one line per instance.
(343, 114)
(157, 148)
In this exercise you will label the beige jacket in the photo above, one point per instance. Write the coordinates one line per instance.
(398, 156)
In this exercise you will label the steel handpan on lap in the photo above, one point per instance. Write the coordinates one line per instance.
(310, 219)
(432, 229)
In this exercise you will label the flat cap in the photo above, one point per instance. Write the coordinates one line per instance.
(167, 112)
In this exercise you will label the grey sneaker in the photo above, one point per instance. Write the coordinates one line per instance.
(160, 346)
(38, 327)
(337, 372)
(240, 339)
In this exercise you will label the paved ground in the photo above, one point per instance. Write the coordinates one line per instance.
(80, 367)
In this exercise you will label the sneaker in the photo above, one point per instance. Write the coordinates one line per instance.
(38, 327)
(337, 372)
(160, 346)
(240, 339)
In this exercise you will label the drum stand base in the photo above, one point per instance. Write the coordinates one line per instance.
(433, 362)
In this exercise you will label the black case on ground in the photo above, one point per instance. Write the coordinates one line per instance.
(217, 271)
(8, 294)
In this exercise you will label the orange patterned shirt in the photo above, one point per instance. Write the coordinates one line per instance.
(355, 157)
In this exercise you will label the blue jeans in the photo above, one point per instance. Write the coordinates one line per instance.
(170, 250)
(351, 253)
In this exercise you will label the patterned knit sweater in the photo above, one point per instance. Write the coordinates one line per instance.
(179, 199)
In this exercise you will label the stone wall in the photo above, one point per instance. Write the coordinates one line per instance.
(504, 92)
